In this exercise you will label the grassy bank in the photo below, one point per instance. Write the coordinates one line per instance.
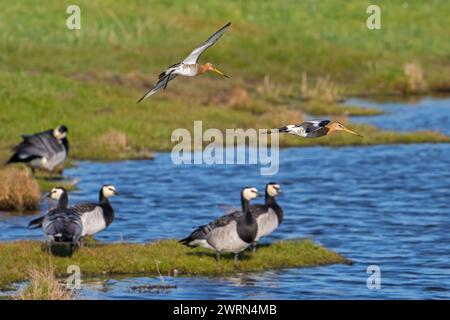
(167, 255)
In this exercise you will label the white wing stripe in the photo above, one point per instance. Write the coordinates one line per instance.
(195, 54)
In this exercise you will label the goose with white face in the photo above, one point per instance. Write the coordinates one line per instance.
(97, 217)
(273, 189)
(56, 193)
(250, 193)
(229, 233)
(45, 150)
(268, 215)
(60, 224)
(109, 191)
(60, 132)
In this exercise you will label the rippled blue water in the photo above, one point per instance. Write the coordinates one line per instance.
(382, 205)
(423, 114)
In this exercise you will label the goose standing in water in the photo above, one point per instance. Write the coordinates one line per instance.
(314, 129)
(44, 150)
(229, 233)
(189, 67)
(269, 215)
(62, 224)
(97, 216)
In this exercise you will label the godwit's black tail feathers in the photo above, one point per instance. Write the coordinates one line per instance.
(144, 96)
(162, 83)
(161, 75)
(36, 223)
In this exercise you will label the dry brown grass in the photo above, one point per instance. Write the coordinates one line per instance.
(415, 82)
(273, 92)
(18, 189)
(323, 89)
(113, 141)
(44, 286)
(238, 95)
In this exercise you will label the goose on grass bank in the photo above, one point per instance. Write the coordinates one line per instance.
(97, 216)
(269, 215)
(229, 233)
(44, 150)
(62, 224)
(59, 194)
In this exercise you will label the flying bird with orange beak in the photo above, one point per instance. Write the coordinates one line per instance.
(189, 67)
(315, 129)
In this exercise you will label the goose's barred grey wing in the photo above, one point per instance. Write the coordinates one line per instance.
(203, 231)
(256, 210)
(62, 225)
(160, 84)
(194, 55)
(82, 208)
(78, 209)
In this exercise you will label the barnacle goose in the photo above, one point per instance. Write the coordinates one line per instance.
(97, 216)
(59, 194)
(44, 150)
(269, 215)
(62, 224)
(229, 233)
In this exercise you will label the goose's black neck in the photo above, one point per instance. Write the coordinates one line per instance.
(269, 199)
(246, 210)
(101, 197)
(66, 145)
(108, 211)
(271, 202)
(246, 224)
(63, 201)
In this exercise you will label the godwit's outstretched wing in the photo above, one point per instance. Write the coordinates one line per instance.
(194, 55)
(314, 125)
(162, 82)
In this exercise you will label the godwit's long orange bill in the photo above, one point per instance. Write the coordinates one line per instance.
(189, 67)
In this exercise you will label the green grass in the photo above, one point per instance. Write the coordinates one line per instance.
(48, 184)
(167, 255)
(320, 108)
(90, 79)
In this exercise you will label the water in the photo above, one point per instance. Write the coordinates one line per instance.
(377, 205)
(424, 114)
